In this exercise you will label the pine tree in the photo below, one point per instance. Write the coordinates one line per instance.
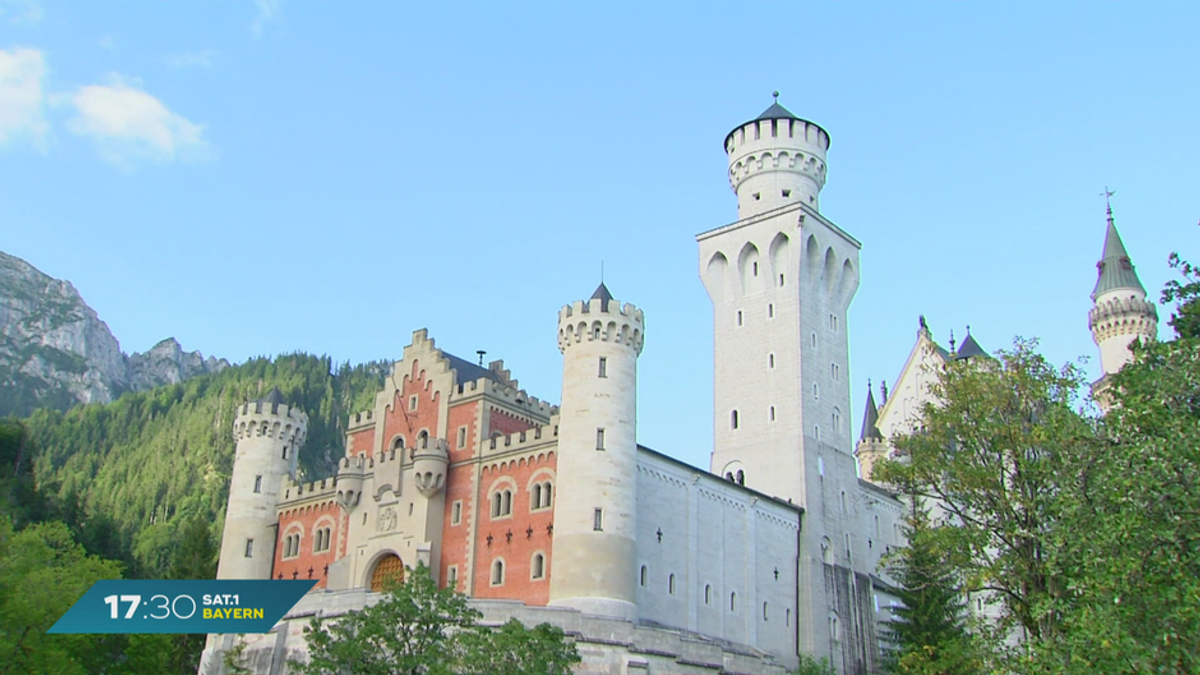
(927, 631)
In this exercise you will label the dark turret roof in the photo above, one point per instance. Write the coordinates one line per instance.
(273, 398)
(1115, 270)
(469, 372)
(776, 112)
(870, 418)
(603, 296)
(969, 348)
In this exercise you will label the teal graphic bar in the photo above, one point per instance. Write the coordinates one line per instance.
(144, 606)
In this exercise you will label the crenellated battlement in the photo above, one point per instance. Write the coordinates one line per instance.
(256, 419)
(1123, 316)
(359, 420)
(775, 160)
(518, 398)
(589, 320)
(293, 490)
(538, 435)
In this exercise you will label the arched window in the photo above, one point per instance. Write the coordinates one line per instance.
(398, 444)
(733, 602)
(837, 421)
(671, 584)
(537, 566)
(497, 502)
(733, 419)
(643, 575)
(843, 501)
(498, 572)
(423, 440)
(771, 414)
(536, 497)
(741, 477)
(547, 492)
(770, 360)
(764, 611)
(708, 594)
(506, 508)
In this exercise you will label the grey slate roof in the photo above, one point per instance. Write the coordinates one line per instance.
(870, 417)
(776, 112)
(603, 296)
(1115, 270)
(469, 372)
(273, 397)
(969, 348)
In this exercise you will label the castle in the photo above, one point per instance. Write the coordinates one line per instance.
(556, 513)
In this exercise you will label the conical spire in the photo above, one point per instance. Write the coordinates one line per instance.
(603, 296)
(1115, 270)
(870, 418)
(969, 347)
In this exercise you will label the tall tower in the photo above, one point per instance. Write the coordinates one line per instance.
(595, 529)
(781, 279)
(1120, 312)
(269, 436)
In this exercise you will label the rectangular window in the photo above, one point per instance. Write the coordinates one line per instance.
(833, 322)
(258, 484)
(739, 317)
(598, 520)
(462, 437)
(456, 513)
(412, 402)
(599, 439)
(603, 367)
(249, 548)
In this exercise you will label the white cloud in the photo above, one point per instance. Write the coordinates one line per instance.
(21, 97)
(130, 126)
(17, 12)
(268, 10)
(201, 59)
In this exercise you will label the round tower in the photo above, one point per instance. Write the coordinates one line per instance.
(595, 525)
(269, 435)
(776, 159)
(1120, 313)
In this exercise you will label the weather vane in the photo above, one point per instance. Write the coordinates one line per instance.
(1107, 194)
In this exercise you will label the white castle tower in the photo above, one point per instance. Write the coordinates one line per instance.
(595, 529)
(269, 435)
(781, 279)
(1120, 312)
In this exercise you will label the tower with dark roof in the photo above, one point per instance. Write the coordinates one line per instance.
(871, 446)
(1120, 312)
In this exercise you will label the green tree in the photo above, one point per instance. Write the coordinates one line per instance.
(419, 629)
(1135, 575)
(997, 454)
(811, 666)
(927, 634)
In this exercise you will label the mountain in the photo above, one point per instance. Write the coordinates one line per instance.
(55, 351)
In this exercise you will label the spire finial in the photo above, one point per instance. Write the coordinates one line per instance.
(968, 329)
(775, 94)
(602, 270)
(951, 340)
(1107, 194)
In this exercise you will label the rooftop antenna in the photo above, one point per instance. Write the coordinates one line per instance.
(480, 352)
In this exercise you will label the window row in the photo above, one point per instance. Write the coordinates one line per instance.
(541, 496)
(321, 542)
(537, 570)
(708, 596)
(835, 419)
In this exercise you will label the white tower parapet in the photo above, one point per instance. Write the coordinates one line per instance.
(1120, 313)
(776, 159)
(595, 527)
(269, 435)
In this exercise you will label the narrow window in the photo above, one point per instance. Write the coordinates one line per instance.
(781, 280)
(603, 367)
(770, 310)
(741, 477)
(599, 439)
(410, 508)
(497, 572)
(538, 566)
(764, 611)
(258, 483)
(833, 322)
(671, 584)
(770, 361)
(412, 402)
(596, 332)
(733, 602)
(739, 317)
(754, 269)
(708, 594)
(536, 497)
(788, 620)
(507, 511)
(598, 520)
(462, 437)
(546, 490)
(844, 506)
(456, 513)
(787, 193)
(285, 448)
(249, 548)
(643, 576)
(452, 577)
(733, 419)
(876, 526)
(817, 431)
(497, 501)
(772, 413)
(816, 391)
(837, 422)
(814, 339)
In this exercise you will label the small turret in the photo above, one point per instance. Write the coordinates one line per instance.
(595, 531)
(871, 446)
(1120, 313)
(430, 461)
(269, 436)
(776, 159)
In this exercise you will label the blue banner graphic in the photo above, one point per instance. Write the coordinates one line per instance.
(141, 606)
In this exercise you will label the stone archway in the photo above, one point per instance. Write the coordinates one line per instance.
(387, 568)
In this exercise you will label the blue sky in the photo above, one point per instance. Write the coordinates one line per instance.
(262, 177)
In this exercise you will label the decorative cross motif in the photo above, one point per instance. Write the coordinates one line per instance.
(295, 574)
(550, 528)
(489, 540)
(310, 571)
(281, 576)
(327, 570)
(529, 532)
(508, 536)
(776, 574)
(1107, 194)
(659, 533)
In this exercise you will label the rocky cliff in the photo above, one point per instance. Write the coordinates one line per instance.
(56, 352)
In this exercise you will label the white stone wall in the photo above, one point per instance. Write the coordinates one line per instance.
(259, 461)
(592, 560)
(720, 542)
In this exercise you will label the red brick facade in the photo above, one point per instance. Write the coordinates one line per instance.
(306, 560)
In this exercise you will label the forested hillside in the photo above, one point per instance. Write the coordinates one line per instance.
(129, 474)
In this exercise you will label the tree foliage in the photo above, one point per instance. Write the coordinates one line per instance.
(419, 629)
